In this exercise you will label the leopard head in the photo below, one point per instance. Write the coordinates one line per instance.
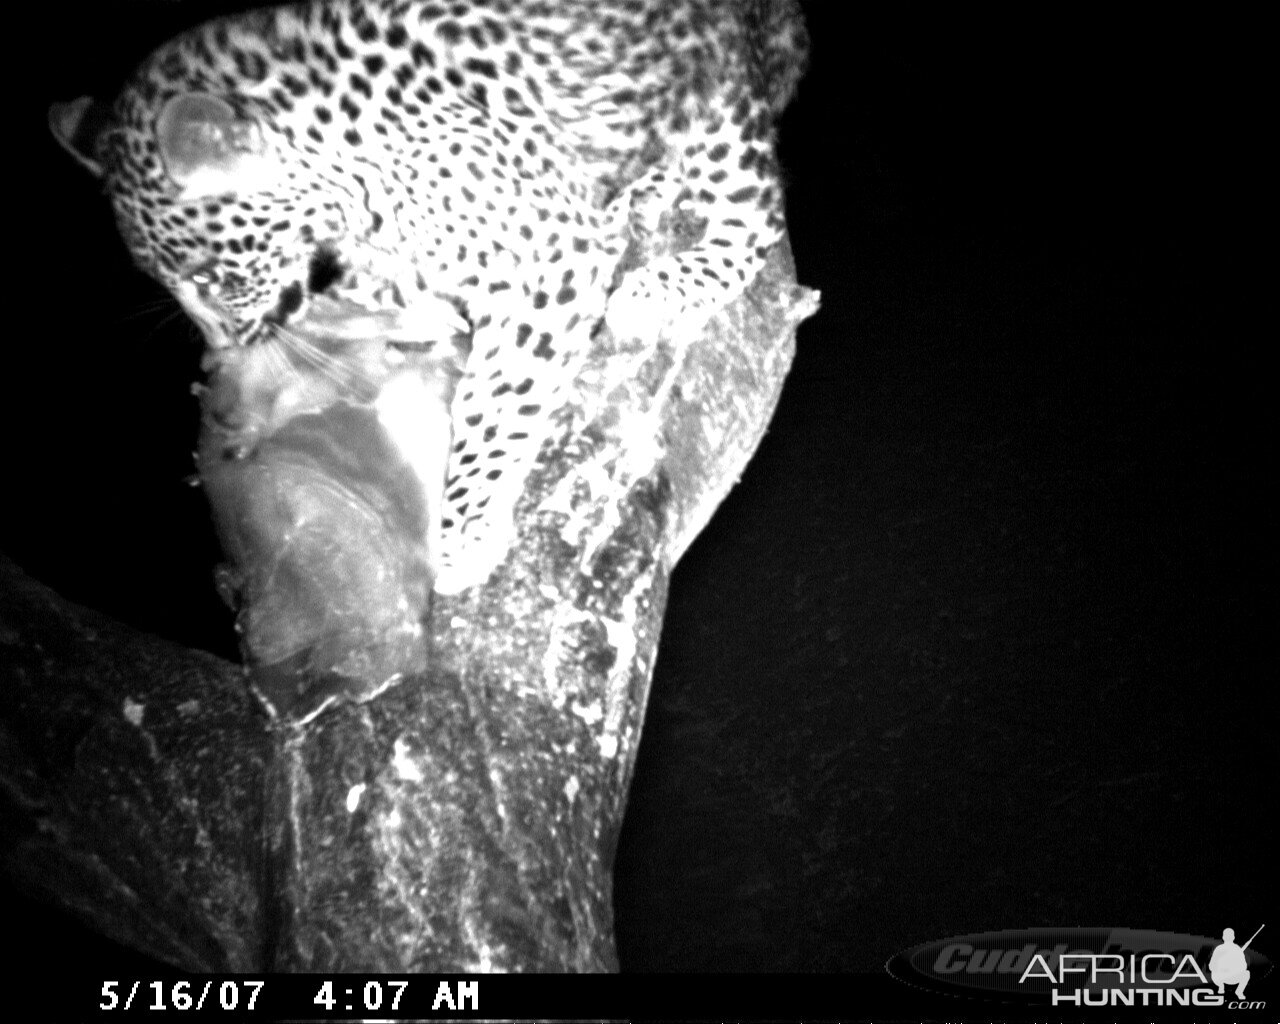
(209, 205)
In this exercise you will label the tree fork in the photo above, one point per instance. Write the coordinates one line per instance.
(442, 801)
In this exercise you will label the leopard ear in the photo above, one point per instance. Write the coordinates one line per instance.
(78, 125)
(208, 150)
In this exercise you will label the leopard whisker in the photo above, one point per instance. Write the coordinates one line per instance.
(339, 371)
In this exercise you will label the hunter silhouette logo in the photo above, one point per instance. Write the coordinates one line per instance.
(1228, 966)
(1089, 967)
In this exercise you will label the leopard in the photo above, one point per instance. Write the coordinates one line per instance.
(470, 169)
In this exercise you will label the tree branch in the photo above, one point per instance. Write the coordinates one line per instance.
(421, 794)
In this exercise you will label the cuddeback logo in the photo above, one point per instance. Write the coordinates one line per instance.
(1081, 967)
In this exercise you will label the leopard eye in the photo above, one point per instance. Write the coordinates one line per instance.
(203, 274)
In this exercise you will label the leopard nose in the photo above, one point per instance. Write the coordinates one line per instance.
(290, 301)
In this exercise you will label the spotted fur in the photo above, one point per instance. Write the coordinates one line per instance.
(486, 153)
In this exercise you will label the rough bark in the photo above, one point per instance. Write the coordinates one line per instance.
(445, 800)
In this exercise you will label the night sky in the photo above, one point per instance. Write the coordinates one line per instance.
(977, 641)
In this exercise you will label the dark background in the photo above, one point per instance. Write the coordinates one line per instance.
(983, 639)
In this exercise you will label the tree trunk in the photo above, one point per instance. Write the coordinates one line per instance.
(384, 790)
